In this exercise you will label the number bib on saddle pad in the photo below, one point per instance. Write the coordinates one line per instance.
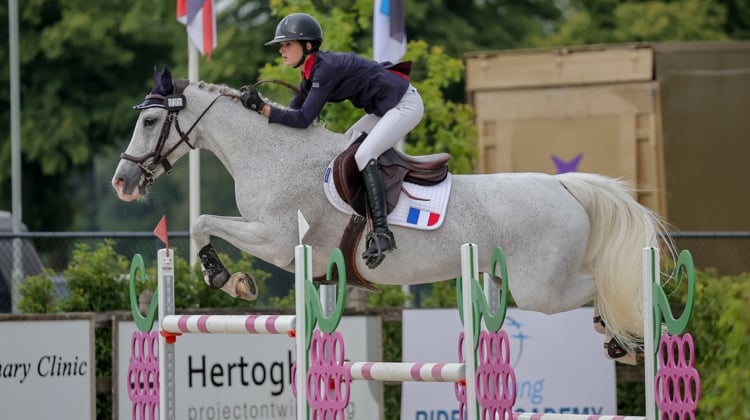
(419, 207)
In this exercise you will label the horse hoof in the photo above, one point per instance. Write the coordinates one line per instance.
(614, 351)
(630, 358)
(245, 287)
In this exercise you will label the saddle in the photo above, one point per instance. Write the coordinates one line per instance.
(396, 167)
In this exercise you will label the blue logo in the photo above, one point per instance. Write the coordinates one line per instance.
(517, 339)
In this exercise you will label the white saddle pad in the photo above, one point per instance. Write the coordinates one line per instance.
(422, 208)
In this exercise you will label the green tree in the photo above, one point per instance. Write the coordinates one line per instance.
(458, 26)
(96, 280)
(38, 294)
(737, 25)
(83, 66)
(465, 26)
(76, 58)
(615, 21)
(447, 126)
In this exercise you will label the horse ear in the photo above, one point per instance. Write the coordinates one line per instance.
(163, 81)
(166, 73)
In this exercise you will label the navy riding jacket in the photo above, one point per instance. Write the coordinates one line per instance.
(335, 77)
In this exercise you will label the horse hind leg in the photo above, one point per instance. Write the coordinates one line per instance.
(612, 348)
(583, 288)
(553, 293)
(215, 274)
(578, 292)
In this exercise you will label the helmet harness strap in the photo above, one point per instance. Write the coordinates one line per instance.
(305, 53)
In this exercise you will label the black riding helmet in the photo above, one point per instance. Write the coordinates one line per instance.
(298, 27)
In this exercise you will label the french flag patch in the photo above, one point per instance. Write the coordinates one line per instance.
(422, 217)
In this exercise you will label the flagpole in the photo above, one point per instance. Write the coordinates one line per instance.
(15, 152)
(195, 160)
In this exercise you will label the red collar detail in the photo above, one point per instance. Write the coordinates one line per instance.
(308, 67)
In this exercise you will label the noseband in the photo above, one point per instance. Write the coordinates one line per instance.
(173, 104)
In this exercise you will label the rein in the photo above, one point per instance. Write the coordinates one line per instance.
(173, 104)
(279, 82)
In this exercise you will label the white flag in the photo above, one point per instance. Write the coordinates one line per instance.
(388, 31)
(200, 18)
(302, 225)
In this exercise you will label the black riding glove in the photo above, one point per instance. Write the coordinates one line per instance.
(251, 99)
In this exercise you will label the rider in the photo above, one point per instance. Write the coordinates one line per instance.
(393, 108)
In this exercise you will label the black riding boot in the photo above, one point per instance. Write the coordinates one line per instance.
(381, 240)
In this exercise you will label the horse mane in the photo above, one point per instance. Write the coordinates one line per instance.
(218, 88)
(235, 95)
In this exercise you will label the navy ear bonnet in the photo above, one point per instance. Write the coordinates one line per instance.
(163, 94)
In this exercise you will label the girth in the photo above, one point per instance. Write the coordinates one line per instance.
(348, 246)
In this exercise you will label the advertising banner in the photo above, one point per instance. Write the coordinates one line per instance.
(558, 359)
(47, 369)
(249, 377)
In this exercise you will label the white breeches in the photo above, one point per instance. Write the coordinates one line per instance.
(386, 131)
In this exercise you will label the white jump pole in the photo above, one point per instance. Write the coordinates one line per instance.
(165, 279)
(469, 273)
(651, 274)
(302, 272)
(552, 416)
(229, 324)
(407, 372)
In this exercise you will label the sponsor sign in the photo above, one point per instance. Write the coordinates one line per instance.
(249, 376)
(47, 369)
(558, 359)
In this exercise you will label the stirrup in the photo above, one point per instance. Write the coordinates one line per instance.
(378, 244)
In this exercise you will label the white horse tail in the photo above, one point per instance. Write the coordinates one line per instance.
(620, 229)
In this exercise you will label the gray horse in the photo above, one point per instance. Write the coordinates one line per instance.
(569, 238)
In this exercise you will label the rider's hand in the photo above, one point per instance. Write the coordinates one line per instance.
(251, 99)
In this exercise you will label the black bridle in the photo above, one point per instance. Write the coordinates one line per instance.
(173, 104)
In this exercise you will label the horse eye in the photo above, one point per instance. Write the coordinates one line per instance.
(148, 122)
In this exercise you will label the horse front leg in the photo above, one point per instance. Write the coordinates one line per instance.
(216, 276)
(251, 237)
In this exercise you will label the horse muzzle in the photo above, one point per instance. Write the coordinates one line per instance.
(132, 179)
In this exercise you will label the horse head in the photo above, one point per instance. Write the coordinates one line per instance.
(158, 139)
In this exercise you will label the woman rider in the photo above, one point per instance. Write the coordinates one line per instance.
(393, 108)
